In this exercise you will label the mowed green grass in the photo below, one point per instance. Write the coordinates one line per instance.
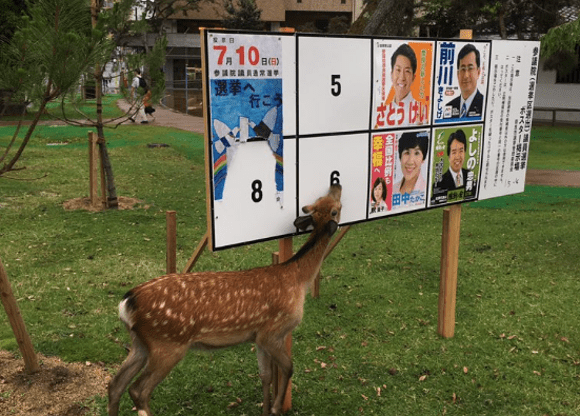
(555, 148)
(368, 345)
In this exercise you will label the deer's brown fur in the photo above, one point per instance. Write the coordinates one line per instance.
(170, 314)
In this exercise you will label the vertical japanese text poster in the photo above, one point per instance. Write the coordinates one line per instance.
(247, 151)
(399, 168)
(461, 76)
(509, 117)
(402, 83)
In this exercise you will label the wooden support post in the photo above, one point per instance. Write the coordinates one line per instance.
(284, 253)
(93, 169)
(449, 259)
(315, 292)
(17, 323)
(196, 254)
(448, 274)
(171, 256)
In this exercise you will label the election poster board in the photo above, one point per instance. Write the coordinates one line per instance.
(402, 124)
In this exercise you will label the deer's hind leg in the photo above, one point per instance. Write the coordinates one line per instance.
(162, 358)
(266, 374)
(129, 369)
(275, 347)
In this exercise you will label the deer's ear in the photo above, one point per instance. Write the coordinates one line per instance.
(303, 222)
(335, 191)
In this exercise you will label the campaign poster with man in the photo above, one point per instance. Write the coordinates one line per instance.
(456, 164)
(402, 83)
(461, 77)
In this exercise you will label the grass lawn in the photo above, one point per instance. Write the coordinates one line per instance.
(555, 148)
(73, 111)
(368, 345)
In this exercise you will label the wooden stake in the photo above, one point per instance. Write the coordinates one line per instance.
(171, 256)
(17, 323)
(196, 254)
(315, 291)
(448, 273)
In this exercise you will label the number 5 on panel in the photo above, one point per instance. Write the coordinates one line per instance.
(344, 105)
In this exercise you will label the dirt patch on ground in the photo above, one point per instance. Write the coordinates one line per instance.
(85, 203)
(58, 389)
(566, 178)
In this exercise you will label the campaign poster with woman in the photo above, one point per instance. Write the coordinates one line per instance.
(402, 83)
(399, 171)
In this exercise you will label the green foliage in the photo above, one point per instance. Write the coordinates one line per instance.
(558, 47)
(245, 16)
(368, 345)
(12, 11)
(50, 50)
(529, 18)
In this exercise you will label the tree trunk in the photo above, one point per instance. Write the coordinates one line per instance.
(383, 9)
(112, 201)
(501, 19)
(9, 166)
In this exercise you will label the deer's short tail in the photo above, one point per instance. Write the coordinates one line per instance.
(126, 308)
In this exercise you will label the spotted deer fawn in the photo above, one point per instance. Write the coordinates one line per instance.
(170, 314)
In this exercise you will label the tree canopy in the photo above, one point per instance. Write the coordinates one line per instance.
(245, 16)
(529, 19)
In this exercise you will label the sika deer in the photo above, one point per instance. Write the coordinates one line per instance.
(170, 314)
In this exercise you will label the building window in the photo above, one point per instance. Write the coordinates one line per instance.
(572, 77)
(342, 1)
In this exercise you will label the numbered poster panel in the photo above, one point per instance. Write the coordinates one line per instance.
(334, 84)
(402, 83)
(456, 169)
(335, 159)
(461, 77)
(249, 165)
(399, 172)
(509, 117)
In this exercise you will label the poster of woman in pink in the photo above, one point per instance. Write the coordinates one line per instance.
(399, 172)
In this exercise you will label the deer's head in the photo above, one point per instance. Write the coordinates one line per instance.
(324, 214)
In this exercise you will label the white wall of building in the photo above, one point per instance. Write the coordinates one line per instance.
(550, 94)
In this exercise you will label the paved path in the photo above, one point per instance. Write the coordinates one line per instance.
(167, 117)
